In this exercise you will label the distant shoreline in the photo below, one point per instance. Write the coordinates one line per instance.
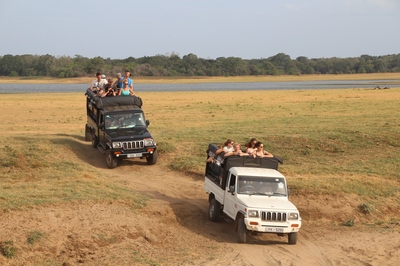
(191, 80)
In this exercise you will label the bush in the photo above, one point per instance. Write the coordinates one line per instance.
(365, 208)
(349, 223)
(8, 249)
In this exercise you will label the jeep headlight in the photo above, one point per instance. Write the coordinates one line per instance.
(253, 213)
(148, 142)
(293, 216)
(116, 145)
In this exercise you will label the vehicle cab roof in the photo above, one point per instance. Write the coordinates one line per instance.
(253, 171)
(122, 109)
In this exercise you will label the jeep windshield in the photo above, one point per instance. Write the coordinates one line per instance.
(124, 121)
(269, 186)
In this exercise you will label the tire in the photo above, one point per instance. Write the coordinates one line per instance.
(152, 159)
(88, 135)
(95, 141)
(214, 210)
(292, 238)
(242, 230)
(111, 160)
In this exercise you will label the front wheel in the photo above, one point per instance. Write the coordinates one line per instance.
(242, 230)
(214, 210)
(111, 161)
(292, 238)
(152, 159)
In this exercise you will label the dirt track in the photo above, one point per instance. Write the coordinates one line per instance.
(173, 229)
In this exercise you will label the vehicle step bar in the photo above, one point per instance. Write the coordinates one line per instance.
(101, 149)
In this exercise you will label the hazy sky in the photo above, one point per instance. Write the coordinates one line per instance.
(208, 28)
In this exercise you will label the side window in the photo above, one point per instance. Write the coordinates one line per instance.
(232, 181)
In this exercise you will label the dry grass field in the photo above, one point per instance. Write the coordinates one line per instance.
(60, 205)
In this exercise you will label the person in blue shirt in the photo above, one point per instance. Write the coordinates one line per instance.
(125, 91)
(125, 79)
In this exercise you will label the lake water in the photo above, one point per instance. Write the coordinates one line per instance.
(236, 86)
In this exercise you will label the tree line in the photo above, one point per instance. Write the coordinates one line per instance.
(190, 65)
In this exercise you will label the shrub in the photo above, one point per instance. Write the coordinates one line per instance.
(349, 223)
(365, 208)
(8, 249)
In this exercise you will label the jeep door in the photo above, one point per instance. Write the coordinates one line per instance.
(230, 205)
(102, 131)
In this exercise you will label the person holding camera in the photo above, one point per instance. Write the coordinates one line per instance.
(98, 84)
(108, 89)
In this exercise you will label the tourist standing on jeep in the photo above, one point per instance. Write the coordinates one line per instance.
(98, 83)
(127, 78)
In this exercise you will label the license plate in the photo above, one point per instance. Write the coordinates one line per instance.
(278, 230)
(134, 155)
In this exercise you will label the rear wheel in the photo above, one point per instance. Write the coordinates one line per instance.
(95, 141)
(88, 135)
(152, 159)
(214, 210)
(111, 161)
(292, 238)
(242, 230)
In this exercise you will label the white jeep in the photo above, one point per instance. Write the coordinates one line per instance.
(251, 192)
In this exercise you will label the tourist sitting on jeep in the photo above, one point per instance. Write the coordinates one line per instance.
(260, 152)
(236, 151)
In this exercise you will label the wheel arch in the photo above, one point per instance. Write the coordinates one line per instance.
(210, 197)
(239, 215)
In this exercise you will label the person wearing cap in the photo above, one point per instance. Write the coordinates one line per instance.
(128, 79)
(98, 83)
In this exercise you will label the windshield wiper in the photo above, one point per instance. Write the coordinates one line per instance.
(279, 194)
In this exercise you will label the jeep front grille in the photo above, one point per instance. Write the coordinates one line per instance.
(133, 145)
(274, 216)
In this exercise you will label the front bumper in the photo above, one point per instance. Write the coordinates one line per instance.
(257, 225)
(134, 154)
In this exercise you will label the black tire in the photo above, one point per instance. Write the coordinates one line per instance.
(152, 159)
(292, 238)
(242, 230)
(111, 160)
(95, 141)
(214, 210)
(88, 135)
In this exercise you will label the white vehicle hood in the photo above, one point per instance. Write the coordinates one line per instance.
(265, 202)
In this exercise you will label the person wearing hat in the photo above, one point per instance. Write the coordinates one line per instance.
(98, 83)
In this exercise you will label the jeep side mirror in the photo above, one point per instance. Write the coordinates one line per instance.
(288, 192)
(148, 122)
(101, 126)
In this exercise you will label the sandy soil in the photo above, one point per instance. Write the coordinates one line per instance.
(173, 229)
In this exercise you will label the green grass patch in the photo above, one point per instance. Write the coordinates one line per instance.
(34, 236)
(44, 170)
(348, 223)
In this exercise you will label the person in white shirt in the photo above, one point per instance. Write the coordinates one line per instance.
(98, 84)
